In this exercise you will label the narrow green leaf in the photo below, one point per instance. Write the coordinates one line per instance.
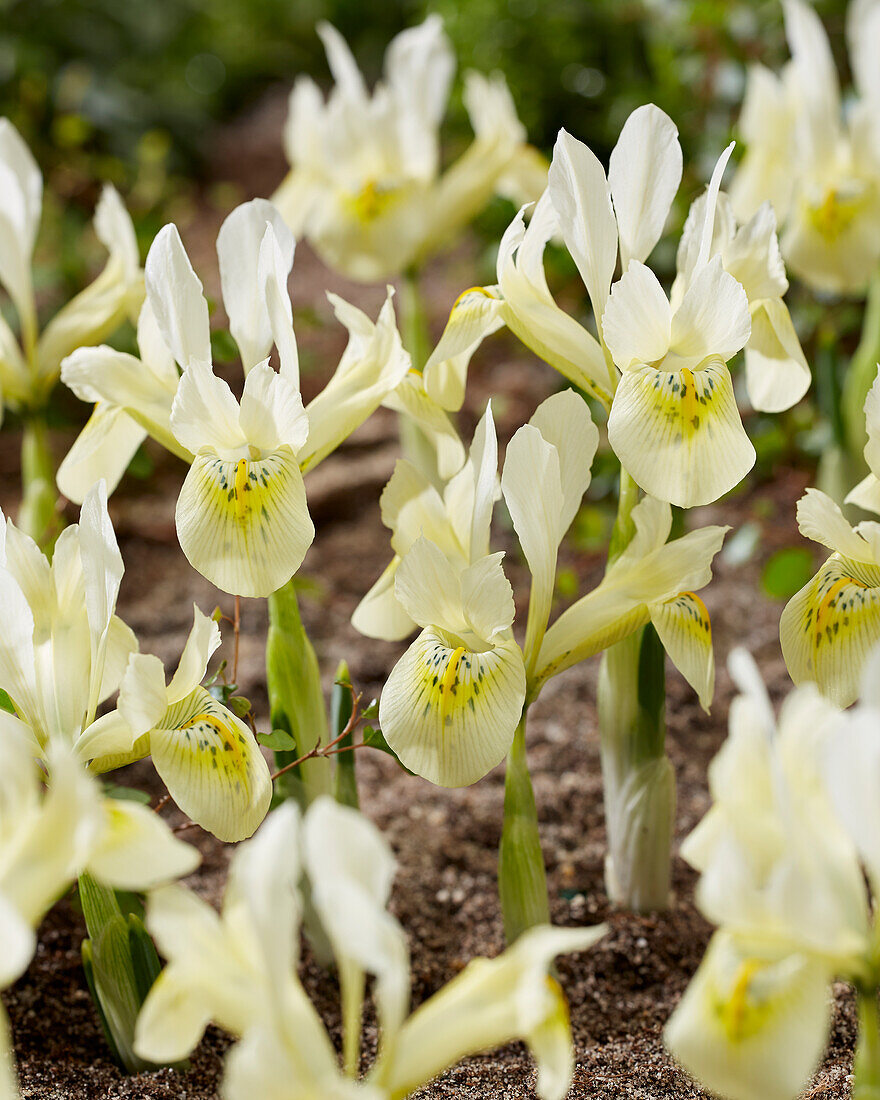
(341, 705)
(126, 794)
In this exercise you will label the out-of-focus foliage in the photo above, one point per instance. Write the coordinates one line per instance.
(136, 83)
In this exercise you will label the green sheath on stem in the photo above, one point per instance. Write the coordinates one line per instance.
(522, 880)
(118, 984)
(638, 780)
(296, 702)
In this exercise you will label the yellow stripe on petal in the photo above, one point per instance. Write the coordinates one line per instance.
(245, 524)
(829, 627)
(679, 433)
(683, 627)
(450, 714)
(212, 766)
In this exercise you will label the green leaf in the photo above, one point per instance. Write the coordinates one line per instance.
(6, 702)
(126, 794)
(145, 960)
(239, 705)
(278, 740)
(787, 571)
(223, 348)
(371, 711)
(375, 739)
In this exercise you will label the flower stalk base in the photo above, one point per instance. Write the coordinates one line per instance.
(638, 779)
(522, 880)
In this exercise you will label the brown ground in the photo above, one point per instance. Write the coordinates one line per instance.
(623, 990)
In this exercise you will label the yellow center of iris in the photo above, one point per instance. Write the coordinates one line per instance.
(371, 201)
(834, 214)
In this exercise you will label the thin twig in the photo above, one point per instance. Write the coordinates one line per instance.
(328, 749)
(236, 627)
(163, 802)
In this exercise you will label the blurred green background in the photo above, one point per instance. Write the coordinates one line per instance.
(139, 92)
(117, 90)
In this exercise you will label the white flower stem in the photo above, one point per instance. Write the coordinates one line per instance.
(296, 701)
(522, 880)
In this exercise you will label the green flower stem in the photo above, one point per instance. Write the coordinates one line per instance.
(345, 776)
(638, 780)
(866, 1065)
(296, 701)
(522, 880)
(414, 320)
(121, 965)
(861, 374)
(39, 496)
(414, 444)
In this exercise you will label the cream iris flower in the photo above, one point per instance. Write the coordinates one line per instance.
(652, 581)
(365, 186)
(828, 628)
(818, 167)
(242, 517)
(64, 651)
(781, 876)
(830, 625)
(659, 365)
(239, 969)
(452, 703)
(776, 372)
(206, 756)
(47, 839)
(29, 366)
